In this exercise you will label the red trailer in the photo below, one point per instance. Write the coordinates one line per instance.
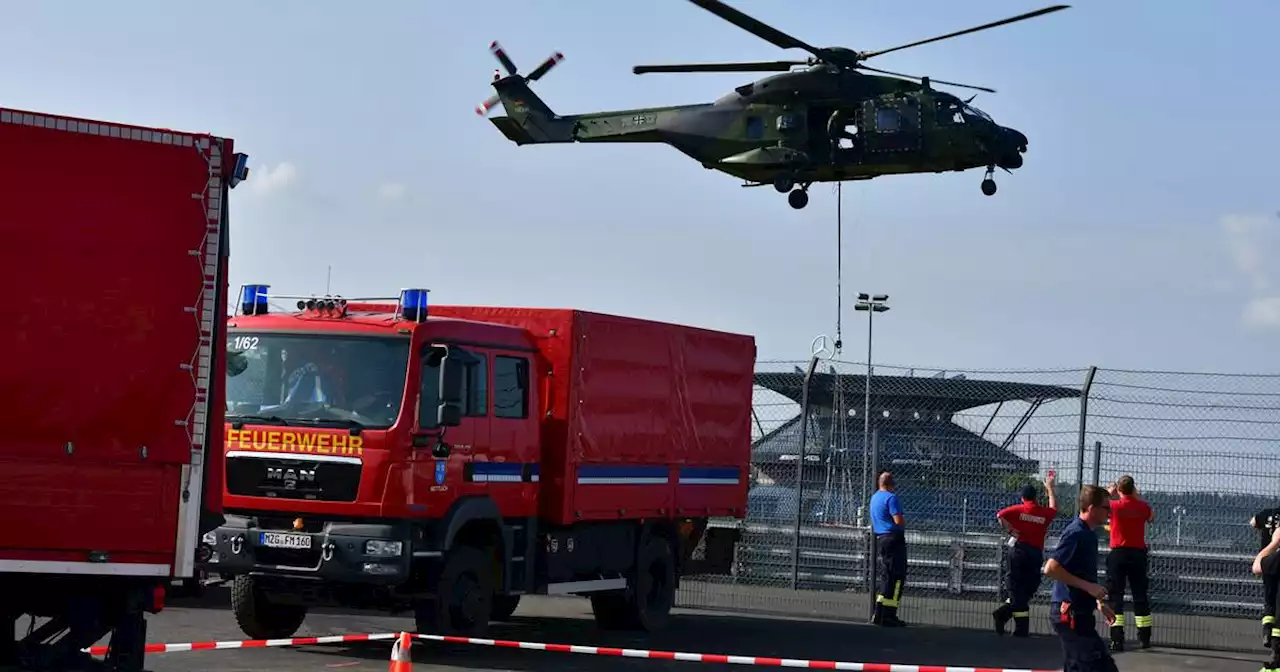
(449, 460)
(114, 259)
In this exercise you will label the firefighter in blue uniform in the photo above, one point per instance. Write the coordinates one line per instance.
(1073, 567)
(888, 524)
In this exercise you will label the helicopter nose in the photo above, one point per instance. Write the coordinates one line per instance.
(1016, 138)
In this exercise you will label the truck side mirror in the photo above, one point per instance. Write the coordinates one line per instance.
(449, 415)
(451, 380)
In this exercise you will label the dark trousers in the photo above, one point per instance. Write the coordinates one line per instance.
(892, 551)
(1023, 582)
(1270, 584)
(1128, 567)
(1082, 647)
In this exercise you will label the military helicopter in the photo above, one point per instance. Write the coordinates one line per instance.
(826, 122)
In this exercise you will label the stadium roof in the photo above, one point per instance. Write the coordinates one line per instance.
(943, 395)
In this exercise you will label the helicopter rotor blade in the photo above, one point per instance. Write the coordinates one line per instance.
(931, 80)
(483, 108)
(993, 24)
(498, 53)
(545, 67)
(755, 27)
(754, 66)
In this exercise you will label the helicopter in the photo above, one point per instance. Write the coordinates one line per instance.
(824, 122)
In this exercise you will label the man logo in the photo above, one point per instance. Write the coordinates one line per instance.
(441, 471)
(290, 476)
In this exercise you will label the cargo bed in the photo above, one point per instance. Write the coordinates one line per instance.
(114, 261)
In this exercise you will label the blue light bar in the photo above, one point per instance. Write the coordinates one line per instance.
(413, 304)
(253, 299)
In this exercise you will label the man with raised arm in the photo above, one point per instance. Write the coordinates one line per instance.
(1027, 524)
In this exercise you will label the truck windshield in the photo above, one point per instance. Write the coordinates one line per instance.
(324, 380)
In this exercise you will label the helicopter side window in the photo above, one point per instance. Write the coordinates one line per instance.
(788, 122)
(755, 128)
(888, 120)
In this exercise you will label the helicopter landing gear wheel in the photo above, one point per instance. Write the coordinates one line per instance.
(783, 183)
(798, 198)
(988, 183)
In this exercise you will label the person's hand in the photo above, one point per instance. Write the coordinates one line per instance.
(1106, 612)
(1257, 565)
(1050, 479)
(1096, 591)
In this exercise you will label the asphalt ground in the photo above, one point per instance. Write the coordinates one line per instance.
(567, 620)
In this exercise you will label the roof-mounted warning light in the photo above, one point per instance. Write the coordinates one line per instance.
(413, 304)
(253, 299)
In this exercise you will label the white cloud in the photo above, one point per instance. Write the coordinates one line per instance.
(1253, 242)
(1249, 241)
(1263, 313)
(269, 180)
(391, 191)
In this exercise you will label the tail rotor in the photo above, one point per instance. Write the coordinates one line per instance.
(496, 49)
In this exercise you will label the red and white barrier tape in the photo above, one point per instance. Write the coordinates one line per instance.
(253, 643)
(719, 658)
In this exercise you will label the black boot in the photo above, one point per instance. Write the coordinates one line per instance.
(1117, 638)
(1021, 626)
(1001, 617)
(877, 615)
(890, 618)
(1144, 637)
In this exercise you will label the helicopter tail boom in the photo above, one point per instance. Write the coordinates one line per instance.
(529, 120)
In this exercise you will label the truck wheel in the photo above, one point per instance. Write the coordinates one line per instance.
(258, 617)
(504, 606)
(463, 603)
(646, 603)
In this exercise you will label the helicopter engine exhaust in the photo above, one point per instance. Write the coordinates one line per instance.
(496, 49)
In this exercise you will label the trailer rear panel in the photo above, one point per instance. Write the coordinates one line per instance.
(646, 419)
(114, 267)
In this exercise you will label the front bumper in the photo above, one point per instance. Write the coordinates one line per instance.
(337, 552)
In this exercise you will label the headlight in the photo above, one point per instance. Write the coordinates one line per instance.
(385, 548)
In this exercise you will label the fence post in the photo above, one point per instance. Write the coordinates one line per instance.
(1097, 461)
(804, 439)
(873, 548)
(1084, 425)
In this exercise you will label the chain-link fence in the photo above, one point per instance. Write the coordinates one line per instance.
(961, 444)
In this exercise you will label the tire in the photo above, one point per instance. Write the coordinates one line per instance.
(504, 606)
(646, 603)
(258, 617)
(463, 601)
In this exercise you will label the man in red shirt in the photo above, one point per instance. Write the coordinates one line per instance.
(1027, 524)
(1127, 561)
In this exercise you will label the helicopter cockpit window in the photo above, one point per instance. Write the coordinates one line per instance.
(755, 128)
(788, 122)
(971, 111)
(949, 113)
(888, 120)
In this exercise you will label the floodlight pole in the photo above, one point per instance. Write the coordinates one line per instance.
(872, 304)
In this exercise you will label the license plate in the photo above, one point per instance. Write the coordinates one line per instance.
(279, 540)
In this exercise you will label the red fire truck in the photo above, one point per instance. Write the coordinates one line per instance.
(447, 461)
(113, 245)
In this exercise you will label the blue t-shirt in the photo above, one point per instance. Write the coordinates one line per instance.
(1077, 552)
(884, 506)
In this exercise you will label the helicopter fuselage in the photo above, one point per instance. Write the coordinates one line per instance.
(815, 125)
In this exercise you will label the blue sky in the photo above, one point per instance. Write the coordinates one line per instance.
(1142, 231)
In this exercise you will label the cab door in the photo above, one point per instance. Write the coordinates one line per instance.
(470, 438)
